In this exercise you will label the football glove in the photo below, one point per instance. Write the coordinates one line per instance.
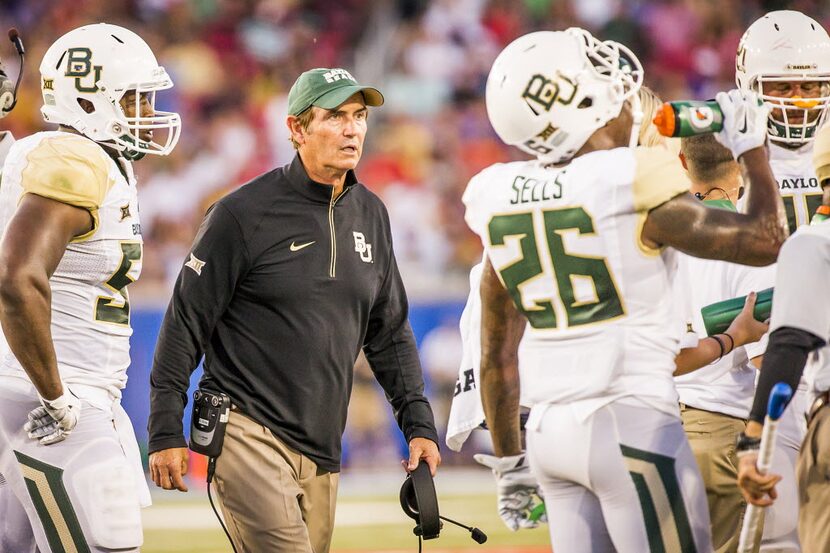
(516, 488)
(744, 121)
(55, 419)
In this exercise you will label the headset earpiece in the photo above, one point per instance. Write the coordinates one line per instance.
(420, 503)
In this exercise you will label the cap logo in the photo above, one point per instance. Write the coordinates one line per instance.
(337, 74)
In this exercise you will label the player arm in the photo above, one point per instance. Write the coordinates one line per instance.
(753, 238)
(502, 328)
(205, 285)
(33, 245)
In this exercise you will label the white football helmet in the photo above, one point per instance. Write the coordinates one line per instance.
(548, 91)
(787, 46)
(101, 63)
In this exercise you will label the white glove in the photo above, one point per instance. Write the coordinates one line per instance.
(744, 121)
(54, 420)
(516, 489)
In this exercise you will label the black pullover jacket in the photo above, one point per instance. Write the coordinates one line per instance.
(283, 287)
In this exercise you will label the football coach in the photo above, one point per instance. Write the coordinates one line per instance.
(288, 278)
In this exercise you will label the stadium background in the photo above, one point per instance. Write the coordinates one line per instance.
(233, 62)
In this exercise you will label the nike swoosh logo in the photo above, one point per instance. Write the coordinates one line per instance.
(295, 248)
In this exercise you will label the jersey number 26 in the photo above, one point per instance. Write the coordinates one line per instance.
(606, 303)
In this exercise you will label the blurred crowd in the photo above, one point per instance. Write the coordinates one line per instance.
(233, 62)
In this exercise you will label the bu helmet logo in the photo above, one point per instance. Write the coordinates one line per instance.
(544, 92)
(79, 65)
(362, 247)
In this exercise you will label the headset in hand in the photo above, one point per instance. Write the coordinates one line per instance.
(419, 502)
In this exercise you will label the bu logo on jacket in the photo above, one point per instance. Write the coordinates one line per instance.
(362, 247)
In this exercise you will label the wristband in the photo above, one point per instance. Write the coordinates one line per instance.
(731, 341)
(722, 347)
(745, 445)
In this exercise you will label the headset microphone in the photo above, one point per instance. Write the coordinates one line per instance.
(14, 37)
(477, 535)
(420, 502)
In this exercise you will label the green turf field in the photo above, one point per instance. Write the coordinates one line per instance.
(184, 523)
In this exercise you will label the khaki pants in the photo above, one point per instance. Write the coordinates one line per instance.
(273, 498)
(712, 439)
(813, 474)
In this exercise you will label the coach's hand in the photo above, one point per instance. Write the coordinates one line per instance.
(758, 489)
(426, 449)
(55, 419)
(516, 488)
(168, 466)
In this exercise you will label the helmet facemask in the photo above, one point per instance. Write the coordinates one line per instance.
(138, 135)
(623, 70)
(796, 119)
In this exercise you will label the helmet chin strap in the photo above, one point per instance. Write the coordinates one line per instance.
(637, 116)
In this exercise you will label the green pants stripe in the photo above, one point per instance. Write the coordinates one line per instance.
(60, 523)
(661, 500)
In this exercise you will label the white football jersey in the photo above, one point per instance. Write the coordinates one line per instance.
(802, 299)
(90, 306)
(566, 244)
(727, 385)
(797, 182)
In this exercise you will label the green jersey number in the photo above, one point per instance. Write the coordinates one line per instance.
(605, 305)
(116, 310)
(811, 201)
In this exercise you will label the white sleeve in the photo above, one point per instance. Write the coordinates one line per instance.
(473, 212)
(802, 294)
(466, 411)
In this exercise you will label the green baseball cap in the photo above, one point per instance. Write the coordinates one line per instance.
(327, 89)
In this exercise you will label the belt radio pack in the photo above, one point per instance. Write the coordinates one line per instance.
(208, 421)
(207, 433)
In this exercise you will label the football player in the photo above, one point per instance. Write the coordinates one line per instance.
(71, 243)
(800, 334)
(573, 246)
(785, 57)
(517, 489)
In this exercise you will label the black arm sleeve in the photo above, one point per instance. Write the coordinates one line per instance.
(391, 351)
(784, 361)
(203, 290)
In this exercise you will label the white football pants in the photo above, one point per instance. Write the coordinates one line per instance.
(623, 480)
(78, 495)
